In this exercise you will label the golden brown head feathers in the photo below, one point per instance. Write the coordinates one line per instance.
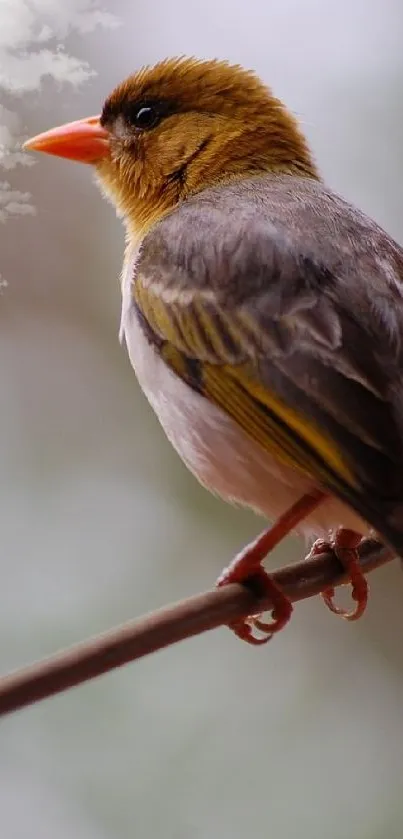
(185, 124)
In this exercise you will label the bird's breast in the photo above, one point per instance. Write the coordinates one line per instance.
(213, 447)
(210, 442)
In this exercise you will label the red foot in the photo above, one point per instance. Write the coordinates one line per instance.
(264, 586)
(344, 544)
(246, 568)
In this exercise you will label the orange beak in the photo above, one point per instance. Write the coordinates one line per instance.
(84, 140)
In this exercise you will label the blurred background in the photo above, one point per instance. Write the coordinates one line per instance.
(100, 521)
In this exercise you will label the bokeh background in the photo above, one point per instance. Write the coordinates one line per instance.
(99, 521)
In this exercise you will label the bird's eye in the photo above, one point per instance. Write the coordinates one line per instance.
(143, 116)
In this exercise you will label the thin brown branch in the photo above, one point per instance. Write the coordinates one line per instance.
(174, 623)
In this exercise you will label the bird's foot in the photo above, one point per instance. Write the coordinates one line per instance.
(246, 568)
(344, 545)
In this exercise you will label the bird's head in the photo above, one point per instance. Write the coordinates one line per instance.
(176, 128)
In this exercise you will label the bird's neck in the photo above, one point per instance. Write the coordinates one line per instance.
(245, 151)
(241, 153)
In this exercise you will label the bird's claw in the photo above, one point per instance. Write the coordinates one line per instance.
(263, 585)
(344, 545)
(246, 568)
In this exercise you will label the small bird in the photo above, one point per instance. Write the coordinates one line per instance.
(262, 313)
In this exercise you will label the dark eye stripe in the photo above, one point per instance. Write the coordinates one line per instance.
(130, 109)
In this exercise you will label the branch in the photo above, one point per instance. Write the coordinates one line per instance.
(171, 624)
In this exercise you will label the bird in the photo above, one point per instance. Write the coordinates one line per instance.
(262, 312)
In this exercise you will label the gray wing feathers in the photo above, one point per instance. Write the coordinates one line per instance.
(319, 286)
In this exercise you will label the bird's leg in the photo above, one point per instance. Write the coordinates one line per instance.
(344, 544)
(247, 568)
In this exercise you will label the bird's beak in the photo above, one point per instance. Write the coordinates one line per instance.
(84, 140)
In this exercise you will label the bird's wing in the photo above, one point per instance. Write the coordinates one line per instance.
(304, 355)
